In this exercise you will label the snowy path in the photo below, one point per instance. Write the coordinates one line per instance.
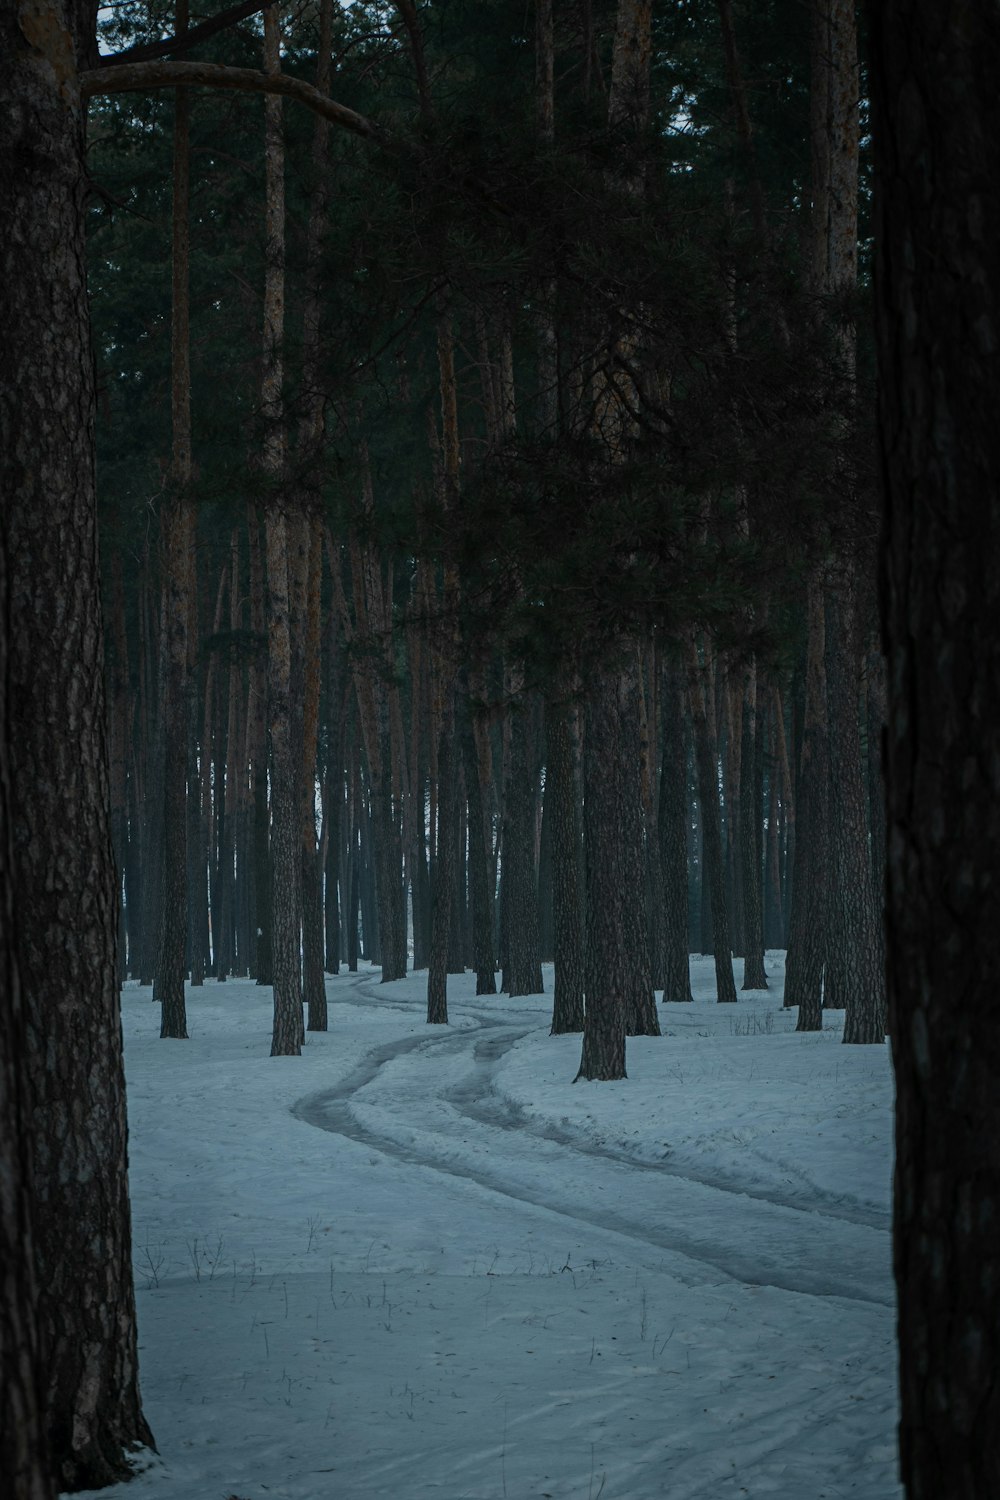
(433, 1103)
(479, 1281)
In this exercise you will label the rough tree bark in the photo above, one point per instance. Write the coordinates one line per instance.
(626, 978)
(853, 939)
(25, 1460)
(937, 134)
(285, 806)
(56, 740)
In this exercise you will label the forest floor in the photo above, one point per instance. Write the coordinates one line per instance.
(420, 1262)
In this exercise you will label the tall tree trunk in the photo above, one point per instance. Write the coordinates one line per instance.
(25, 1459)
(655, 894)
(706, 937)
(458, 926)
(226, 788)
(855, 911)
(353, 862)
(198, 935)
(152, 802)
(313, 982)
(369, 633)
(562, 792)
(732, 720)
(937, 138)
(876, 703)
(444, 668)
(334, 802)
(545, 116)
(480, 872)
(522, 973)
(118, 742)
(55, 743)
(854, 937)
(618, 980)
(285, 806)
(416, 850)
(133, 865)
(261, 869)
(441, 873)
(713, 862)
(672, 839)
(176, 574)
(546, 933)
(751, 833)
(310, 530)
(808, 923)
(781, 836)
(334, 817)
(641, 1018)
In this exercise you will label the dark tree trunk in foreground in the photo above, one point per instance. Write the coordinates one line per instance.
(937, 132)
(24, 1457)
(63, 870)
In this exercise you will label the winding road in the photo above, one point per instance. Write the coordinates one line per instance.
(432, 1101)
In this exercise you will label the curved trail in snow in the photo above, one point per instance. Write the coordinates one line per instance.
(495, 1109)
(431, 1101)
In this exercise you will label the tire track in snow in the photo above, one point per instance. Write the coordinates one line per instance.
(783, 1245)
(507, 1114)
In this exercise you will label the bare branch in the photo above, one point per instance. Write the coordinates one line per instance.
(140, 77)
(408, 15)
(147, 51)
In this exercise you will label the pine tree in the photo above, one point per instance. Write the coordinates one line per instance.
(937, 135)
(55, 755)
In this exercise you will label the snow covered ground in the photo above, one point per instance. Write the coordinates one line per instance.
(420, 1262)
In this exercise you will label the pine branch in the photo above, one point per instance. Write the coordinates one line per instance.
(139, 77)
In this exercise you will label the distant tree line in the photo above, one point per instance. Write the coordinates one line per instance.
(502, 474)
